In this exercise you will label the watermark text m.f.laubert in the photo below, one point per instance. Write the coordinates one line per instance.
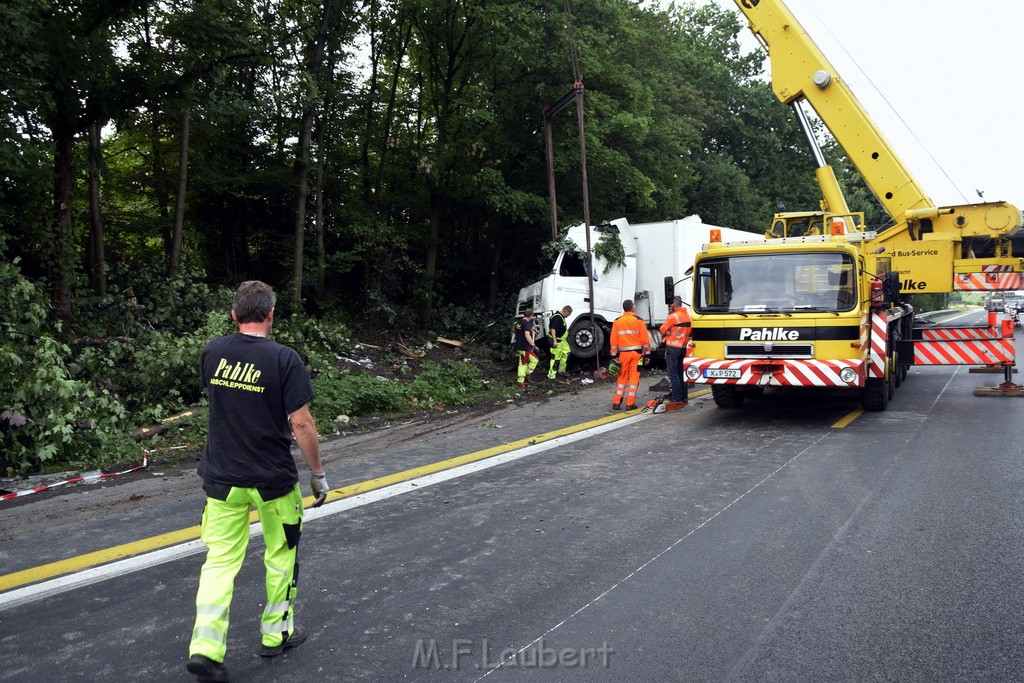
(478, 654)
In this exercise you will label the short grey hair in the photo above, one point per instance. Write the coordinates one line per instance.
(253, 301)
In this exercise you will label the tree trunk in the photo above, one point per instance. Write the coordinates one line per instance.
(302, 191)
(94, 256)
(174, 257)
(371, 101)
(492, 293)
(60, 259)
(160, 189)
(302, 155)
(432, 247)
(321, 164)
(389, 113)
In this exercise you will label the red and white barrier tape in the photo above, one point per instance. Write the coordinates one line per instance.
(90, 477)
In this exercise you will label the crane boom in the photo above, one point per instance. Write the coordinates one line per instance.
(801, 72)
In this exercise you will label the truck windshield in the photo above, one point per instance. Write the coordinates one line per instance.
(779, 283)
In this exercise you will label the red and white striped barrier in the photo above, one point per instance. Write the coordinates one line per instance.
(970, 352)
(988, 282)
(90, 477)
(990, 345)
(879, 343)
(777, 372)
(958, 333)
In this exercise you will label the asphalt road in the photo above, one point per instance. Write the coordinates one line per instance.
(754, 544)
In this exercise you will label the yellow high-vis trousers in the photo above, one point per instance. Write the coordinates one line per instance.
(225, 531)
(559, 357)
(527, 363)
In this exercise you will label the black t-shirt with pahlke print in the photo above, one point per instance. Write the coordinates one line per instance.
(519, 330)
(253, 384)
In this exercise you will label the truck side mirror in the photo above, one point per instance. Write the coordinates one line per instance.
(891, 286)
(670, 289)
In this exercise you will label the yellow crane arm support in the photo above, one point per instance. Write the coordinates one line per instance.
(800, 71)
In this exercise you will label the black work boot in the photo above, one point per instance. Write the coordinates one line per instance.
(297, 637)
(206, 670)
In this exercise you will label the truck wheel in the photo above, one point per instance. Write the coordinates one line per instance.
(586, 341)
(726, 396)
(874, 397)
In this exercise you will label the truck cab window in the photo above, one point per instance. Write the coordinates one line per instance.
(571, 265)
(788, 283)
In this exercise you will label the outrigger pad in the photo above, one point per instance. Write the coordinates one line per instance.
(1015, 390)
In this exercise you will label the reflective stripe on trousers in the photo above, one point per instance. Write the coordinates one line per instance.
(527, 363)
(629, 378)
(559, 357)
(225, 531)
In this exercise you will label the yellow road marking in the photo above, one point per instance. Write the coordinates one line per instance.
(73, 564)
(120, 552)
(853, 415)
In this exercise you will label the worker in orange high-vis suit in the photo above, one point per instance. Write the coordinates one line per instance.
(676, 331)
(630, 342)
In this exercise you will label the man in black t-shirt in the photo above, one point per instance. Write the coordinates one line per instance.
(559, 332)
(526, 347)
(255, 387)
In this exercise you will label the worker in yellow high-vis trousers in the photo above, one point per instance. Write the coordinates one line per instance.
(526, 347)
(255, 387)
(559, 331)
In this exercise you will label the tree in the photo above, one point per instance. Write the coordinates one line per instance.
(64, 85)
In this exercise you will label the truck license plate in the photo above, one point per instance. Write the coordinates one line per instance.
(722, 373)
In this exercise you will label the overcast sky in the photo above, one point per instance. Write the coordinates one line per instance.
(953, 71)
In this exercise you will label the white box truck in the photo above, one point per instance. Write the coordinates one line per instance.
(656, 257)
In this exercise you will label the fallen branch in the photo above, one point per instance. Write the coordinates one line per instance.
(449, 342)
(409, 353)
(150, 431)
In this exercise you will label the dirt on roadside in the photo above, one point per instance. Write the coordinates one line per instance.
(385, 355)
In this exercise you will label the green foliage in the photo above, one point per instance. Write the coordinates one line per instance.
(474, 323)
(449, 383)
(354, 393)
(319, 342)
(146, 299)
(554, 247)
(609, 247)
(930, 302)
(347, 392)
(50, 414)
(154, 373)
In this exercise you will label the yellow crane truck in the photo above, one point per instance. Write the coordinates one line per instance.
(824, 302)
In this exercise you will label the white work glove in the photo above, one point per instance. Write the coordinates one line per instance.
(318, 483)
